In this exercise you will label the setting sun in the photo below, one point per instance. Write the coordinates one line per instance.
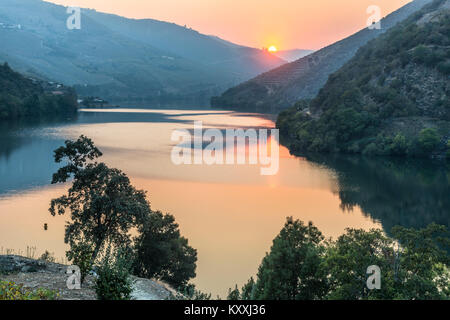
(273, 49)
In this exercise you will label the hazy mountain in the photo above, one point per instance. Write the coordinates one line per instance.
(301, 79)
(121, 58)
(391, 98)
(292, 55)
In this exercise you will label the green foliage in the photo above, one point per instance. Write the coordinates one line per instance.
(189, 292)
(379, 102)
(13, 291)
(161, 252)
(47, 257)
(104, 209)
(292, 268)
(80, 254)
(248, 291)
(424, 263)
(104, 206)
(21, 97)
(399, 145)
(301, 265)
(428, 140)
(347, 260)
(114, 280)
(234, 294)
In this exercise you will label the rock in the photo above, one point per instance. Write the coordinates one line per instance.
(12, 263)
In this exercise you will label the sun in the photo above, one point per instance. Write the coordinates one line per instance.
(272, 49)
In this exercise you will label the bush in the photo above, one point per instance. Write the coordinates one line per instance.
(448, 149)
(13, 291)
(114, 279)
(428, 140)
(47, 256)
(189, 292)
(399, 145)
(81, 255)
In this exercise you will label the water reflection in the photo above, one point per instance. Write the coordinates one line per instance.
(229, 213)
(394, 191)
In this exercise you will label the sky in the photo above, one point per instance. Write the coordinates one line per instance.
(286, 24)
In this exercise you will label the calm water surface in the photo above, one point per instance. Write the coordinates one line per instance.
(230, 214)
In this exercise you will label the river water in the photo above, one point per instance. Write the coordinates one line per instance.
(229, 213)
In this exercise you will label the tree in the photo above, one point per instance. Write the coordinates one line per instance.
(291, 271)
(234, 294)
(428, 140)
(300, 265)
(161, 251)
(424, 261)
(248, 290)
(347, 260)
(104, 206)
(114, 280)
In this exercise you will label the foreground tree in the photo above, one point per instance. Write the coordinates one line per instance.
(347, 260)
(161, 252)
(103, 205)
(414, 268)
(423, 268)
(414, 264)
(291, 271)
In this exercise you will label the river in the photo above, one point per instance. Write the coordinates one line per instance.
(229, 213)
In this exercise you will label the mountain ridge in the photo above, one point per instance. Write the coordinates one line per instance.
(281, 87)
(120, 58)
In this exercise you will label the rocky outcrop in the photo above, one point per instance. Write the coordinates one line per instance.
(34, 274)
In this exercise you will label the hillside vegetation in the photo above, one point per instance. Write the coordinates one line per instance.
(21, 97)
(392, 98)
(281, 87)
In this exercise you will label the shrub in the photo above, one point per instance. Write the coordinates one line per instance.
(80, 254)
(47, 256)
(428, 140)
(114, 279)
(13, 291)
(189, 292)
(399, 145)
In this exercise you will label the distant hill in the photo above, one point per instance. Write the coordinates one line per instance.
(302, 79)
(122, 59)
(21, 97)
(292, 55)
(392, 98)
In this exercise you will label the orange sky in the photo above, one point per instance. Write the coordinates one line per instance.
(287, 24)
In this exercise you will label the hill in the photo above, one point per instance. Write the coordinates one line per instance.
(122, 59)
(292, 55)
(22, 97)
(392, 98)
(302, 79)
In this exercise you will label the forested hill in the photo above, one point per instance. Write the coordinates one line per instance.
(392, 98)
(22, 97)
(279, 88)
